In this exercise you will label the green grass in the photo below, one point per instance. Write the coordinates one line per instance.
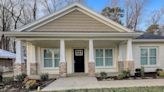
(132, 89)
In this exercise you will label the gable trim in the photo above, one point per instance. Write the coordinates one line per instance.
(69, 9)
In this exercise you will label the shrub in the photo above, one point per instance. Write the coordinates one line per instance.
(124, 74)
(103, 75)
(21, 77)
(32, 85)
(158, 70)
(44, 77)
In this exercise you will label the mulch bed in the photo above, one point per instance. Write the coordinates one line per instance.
(15, 86)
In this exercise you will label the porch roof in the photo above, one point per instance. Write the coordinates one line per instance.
(72, 34)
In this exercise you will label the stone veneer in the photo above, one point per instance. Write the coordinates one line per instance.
(126, 65)
(19, 68)
(63, 69)
(33, 68)
(120, 66)
(91, 69)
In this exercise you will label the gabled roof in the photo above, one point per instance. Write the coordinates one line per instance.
(66, 10)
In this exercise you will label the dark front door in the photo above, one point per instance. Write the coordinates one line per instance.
(79, 60)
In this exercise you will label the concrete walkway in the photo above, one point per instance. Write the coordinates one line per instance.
(92, 83)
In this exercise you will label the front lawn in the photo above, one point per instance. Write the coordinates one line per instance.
(132, 89)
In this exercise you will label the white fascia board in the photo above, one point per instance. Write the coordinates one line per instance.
(65, 34)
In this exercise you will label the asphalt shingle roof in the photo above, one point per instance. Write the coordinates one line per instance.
(150, 36)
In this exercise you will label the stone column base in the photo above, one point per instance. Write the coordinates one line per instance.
(63, 69)
(91, 69)
(19, 68)
(121, 66)
(33, 68)
(130, 66)
(126, 65)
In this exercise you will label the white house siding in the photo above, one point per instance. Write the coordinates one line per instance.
(160, 55)
(75, 21)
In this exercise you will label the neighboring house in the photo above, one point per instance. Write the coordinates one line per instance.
(6, 63)
(78, 40)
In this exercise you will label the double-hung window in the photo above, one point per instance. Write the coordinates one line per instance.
(148, 56)
(51, 58)
(104, 57)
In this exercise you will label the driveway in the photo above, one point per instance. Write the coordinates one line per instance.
(92, 83)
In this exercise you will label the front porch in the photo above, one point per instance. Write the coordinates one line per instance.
(68, 56)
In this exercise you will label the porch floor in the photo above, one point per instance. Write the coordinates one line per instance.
(92, 83)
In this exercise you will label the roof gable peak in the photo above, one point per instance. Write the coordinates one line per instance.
(68, 9)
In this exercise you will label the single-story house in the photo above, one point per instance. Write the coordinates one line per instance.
(75, 39)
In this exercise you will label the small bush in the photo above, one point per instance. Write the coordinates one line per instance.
(44, 77)
(103, 75)
(21, 77)
(124, 74)
(158, 70)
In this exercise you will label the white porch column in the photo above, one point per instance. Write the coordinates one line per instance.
(19, 66)
(63, 64)
(91, 65)
(31, 59)
(129, 55)
(120, 58)
(62, 51)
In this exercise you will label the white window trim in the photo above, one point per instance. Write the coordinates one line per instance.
(148, 57)
(53, 58)
(104, 58)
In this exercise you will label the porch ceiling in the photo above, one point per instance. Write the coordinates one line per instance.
(74, 43)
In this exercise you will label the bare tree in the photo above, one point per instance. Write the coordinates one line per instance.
(5, 22)
(133, 12)
(155, 17)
